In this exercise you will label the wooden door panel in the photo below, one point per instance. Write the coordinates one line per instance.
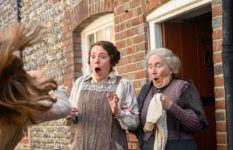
(172, 31)
(205, 53)
(189, 53)
(193, 44)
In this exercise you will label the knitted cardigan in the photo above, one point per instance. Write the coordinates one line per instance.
(189, 99)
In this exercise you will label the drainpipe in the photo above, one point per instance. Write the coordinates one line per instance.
(227, 62)
(18, 3)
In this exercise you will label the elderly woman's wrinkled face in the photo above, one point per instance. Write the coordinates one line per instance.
(159, 71)
(100, 63)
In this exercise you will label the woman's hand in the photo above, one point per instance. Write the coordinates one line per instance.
(37, 75)
(73, 112)
(125, 107)
(114, 104)
(166, 102)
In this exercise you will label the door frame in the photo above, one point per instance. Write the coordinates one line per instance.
(168, 11)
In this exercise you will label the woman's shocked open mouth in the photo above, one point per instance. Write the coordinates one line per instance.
(156, 80)
(97, 70)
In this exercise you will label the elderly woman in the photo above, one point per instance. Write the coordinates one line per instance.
(180, 99)
(106, 103)
(25, 97)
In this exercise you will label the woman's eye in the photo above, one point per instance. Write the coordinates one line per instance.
(159, 65)
(150, 66)
(92, 56)
(102, 56)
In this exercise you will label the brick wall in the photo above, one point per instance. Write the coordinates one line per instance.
(50, 58)
(218, 75)
(61, 58)
(8, 12)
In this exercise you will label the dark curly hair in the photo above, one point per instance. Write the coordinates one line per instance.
(111, 50)
(20, 94)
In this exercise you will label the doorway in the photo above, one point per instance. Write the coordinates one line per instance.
(191, 40)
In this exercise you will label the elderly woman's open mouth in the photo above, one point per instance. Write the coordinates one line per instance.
(97, 70)
(156, 79)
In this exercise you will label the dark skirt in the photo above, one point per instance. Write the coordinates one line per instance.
(171, 144)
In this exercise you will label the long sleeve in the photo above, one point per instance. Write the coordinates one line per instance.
(126, 93)
(187, 117)
(59, 110)
(74, 96)
(189, 109)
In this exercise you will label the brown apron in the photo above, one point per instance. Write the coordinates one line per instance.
(97, 129)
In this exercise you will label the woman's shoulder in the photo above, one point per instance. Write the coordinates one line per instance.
(82, 78)
(125, 83)
(182, 83)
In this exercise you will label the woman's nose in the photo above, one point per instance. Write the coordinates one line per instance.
(97, 60)
(154, 70)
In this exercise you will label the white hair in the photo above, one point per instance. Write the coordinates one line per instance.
(171, 59)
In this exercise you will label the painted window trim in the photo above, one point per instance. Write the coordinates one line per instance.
(167, 11)
(93, 27)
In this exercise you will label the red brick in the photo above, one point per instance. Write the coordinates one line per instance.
(68, 34)
(70, 75)
(69, 48)
(78, 53)
(66, 69)
(67, 82)
(123, 61)
(66, 42)
(221, 138)
(134, 146)
(138, 39)
(217, 10)
(140, 75)
(222, 147)
(70, 61)
(221, 127)
(67, 21)
(120, 44)
(116, 19)
(67, 14)
(217, 34)
(139, 56)
(77, 39)
(134, 3)
(129, 146)
(220, 104)
(219, 93)
(128, 15)
(135, 21)
(69, 89)
(55, 1)
(139, 11)
(130, 50)
(220, 116)
(130, 68)
(77, 67)
(217, 58)
(117, 37)
(119, 10)
(133, 138)
(219, 81)
(217, 46)
(129, 42)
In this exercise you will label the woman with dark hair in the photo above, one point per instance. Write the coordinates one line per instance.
(25, 97)
(106, 103)
(177, 104)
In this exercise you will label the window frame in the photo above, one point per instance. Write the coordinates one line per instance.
(97, 25)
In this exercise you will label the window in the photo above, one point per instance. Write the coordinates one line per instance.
(100, 29)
